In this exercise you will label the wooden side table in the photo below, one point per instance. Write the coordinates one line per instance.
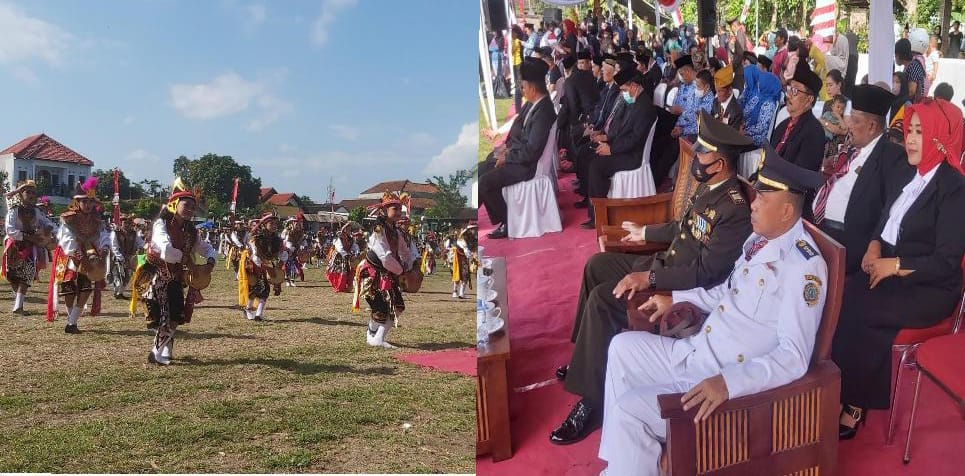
(492, 383)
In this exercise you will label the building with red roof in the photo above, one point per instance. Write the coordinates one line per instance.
(53, 166)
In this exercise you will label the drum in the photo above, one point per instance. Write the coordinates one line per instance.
(95, 270)
(411, 280)
(275, 275)
(198, 276)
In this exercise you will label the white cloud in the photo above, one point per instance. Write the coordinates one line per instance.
(141, 155)
(421, 139)
(458, 155)
(25, 39)
(229, 94)
(346, 132)
(326, 18)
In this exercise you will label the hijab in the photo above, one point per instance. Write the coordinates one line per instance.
(941, 133)
(902, 96)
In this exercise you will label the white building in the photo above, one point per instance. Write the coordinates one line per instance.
(53, 166)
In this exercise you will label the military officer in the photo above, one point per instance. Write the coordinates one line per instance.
(703, 246)
(759, 333)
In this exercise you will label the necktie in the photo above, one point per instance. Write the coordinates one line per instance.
(821, 200)
(755, 248)
(787, 133)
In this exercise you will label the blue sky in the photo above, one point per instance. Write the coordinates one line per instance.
(357, 91)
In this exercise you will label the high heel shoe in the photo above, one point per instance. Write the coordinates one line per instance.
(859, 415)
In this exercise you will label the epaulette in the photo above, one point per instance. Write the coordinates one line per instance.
(806, 250)
(735, 196)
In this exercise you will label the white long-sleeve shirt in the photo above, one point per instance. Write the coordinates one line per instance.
(70, 243)
(161, 242)
(14, 226)
(393, 264)
(354, 249)
(255, 258)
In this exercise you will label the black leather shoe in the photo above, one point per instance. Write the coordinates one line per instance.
(846, 432)
(582, 204)
(561, 372)
(498, 233)
(588, 225)
(71, 329)
(578, 425)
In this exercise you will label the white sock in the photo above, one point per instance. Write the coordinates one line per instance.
(261, 308)
(250, 303)
(73, 315)
(17, 301)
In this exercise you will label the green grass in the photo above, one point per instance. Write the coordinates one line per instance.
(299, 393)
(502, 109)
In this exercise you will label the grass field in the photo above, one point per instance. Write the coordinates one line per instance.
(301, 392)
(485, 145)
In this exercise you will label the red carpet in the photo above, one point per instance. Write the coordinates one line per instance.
(544, 278)
(461, 361)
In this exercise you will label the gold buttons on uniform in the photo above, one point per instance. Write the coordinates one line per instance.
(760, 282)
(746, 271)
(683, 236)
(707, 330)
(690, 222)
(740, 358)
(721, 308)
(735, 290)
(673, 252)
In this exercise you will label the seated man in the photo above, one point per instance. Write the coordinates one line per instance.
(686, 105)
(516, 160)
(800, 137)
(703, 246)
(621, 148)
(759, 333)
(726, 108)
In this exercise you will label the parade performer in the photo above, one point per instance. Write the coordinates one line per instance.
(169, 268)
(125, 245)
(462, 255)
(29, 234)
(260, 270)
(340, 263)
(429, 254)
(388, 256)
(236, 244)
(293, 237)
(79, 263)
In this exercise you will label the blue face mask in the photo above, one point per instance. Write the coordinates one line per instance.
(628, 98)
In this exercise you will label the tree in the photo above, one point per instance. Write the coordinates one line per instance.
(306, 200)
(450, 199)
(152, 188)
(105, 186)
(357, 215)
(215, 174)
(146, 208)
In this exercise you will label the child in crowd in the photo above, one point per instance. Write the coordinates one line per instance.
(835, 128)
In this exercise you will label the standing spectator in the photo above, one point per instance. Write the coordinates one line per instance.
(517, 52)
(914, 70)
(532, 39)
(780, 57)
(931, 59)
(954, 41)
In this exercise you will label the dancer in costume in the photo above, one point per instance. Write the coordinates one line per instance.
(236, 244)
(170, 281)
(261, 270)
(429, 254)
(340, 263)
(377, 277)
(125, 245)
(463, 254)
(80, 258)
(294, 240)
(29, 234)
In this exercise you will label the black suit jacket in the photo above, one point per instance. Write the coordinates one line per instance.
(931, 237)
(651, 79)
(734, 113)
(527, 138)
(885, 169)
(608, 98)
(805, 145)
(579, 97)
(629, 129)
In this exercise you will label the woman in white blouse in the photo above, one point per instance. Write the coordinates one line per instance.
(913, 271)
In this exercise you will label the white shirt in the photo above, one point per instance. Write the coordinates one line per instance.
(909, 194)
(840, 194)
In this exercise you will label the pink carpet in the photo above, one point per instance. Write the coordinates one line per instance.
(461, 361)
(544, 278)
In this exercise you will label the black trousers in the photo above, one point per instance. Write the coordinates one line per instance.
(491, 183)
(870, 319)
(601, 170)
(599, 317)
(585, 153)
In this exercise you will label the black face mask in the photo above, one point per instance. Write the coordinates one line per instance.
(699, 171)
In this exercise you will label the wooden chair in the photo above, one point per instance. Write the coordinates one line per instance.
(792, 429)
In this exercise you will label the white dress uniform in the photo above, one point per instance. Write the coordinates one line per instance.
(759, 335)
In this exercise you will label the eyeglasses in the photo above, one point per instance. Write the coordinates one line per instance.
(793, 92)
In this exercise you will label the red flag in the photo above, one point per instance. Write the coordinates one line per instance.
(117, 199)
(234, 197)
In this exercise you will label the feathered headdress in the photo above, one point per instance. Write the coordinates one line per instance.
(178, 191)
(390, 199)
(87, 189)
(272, 215)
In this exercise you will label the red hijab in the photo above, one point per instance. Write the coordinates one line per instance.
(568, 26)
(941, 133)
